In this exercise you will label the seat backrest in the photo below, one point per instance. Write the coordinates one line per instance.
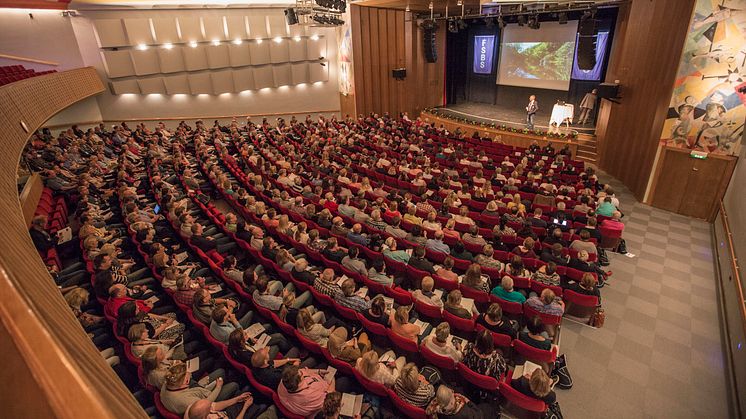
(539, 356)
(371, 386)
(427, 310)
(440, 361)
(482, 381)
(412, 412)
(520, 400)
(458, 323)
(402, 342)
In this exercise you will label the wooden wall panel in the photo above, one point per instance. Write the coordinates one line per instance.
(384, 39)
(648, 44)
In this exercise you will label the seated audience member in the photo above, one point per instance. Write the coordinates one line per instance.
(526, 250)
(426, 294)
(301, 273)
(204, 305)
(517, 268)
(356, 236)
(535, 335)
(333, 251)
(389, 251)
(582, 263)
(333, 406)
(377, 273)
(472, 237)
(178, 393)
(140, 341)
(439, 344)
(473, 278)
(224, 322)
(537, 386)
(586, 286)
(400, 324)
(268, 370)
(494, 321)
(482, 358)
(547, 303)
(458, 251)
(240, 344)
(614, 223)
(385, 373)
(348, 298)
(302, 391)
(354, 263)
(311, 330)
(377, 312)
(606, 208)
(584, 243)
(347, 350)
(326, 284)
(487, 259)
(448, 404)
(412, 387)
(453, 306)
(263, 297)
(554, 254)
(155, 366)
(416, 236)
(547, 275)
(505, 291)
(446, 271)
(418, 261)
(394, 228)
(436, 244)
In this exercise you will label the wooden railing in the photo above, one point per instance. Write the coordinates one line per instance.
(50, 366)
(735, 268)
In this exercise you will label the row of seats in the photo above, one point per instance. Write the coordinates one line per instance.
(12, 73)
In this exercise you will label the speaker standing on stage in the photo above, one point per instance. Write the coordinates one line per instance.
(587, 105)
(531, 109)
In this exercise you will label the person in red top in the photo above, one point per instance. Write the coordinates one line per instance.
(118, 296)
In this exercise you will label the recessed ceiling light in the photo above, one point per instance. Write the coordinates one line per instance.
(237, 41)
(142, 47)
(168, 45)
(193, 44)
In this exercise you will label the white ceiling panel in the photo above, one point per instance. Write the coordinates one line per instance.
(214, 29)
(316, 48)
(297, 49)
(200, 83)
(258, 26)
(282, 75)
(264, 77)
(222, 81)
(259, 52)
(195, 58)
(171, 60)
(110, 32)
(151, 85)
(297, 30)
(138, 31)
(165, 30)
(299, 73)
(236, 27)
(277, 25)
(278, 51)
(118, 63)
(317, 72)
(243, 79)
(145, 62)
(177, 84)
(239, 55)
(120, 87)
(217, 56)
(191, 29)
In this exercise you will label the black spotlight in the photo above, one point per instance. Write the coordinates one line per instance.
(462, 24)
(452, 26)
(489, 22)
(291, 17)
(562, 17)
(521, 20)
(500, 22)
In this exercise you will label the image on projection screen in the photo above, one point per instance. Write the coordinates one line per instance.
(537, 58)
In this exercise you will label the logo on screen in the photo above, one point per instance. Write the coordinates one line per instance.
(483, 47)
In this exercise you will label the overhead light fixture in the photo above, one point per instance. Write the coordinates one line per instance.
(314, 37)
(296, 38)
(193, 44)
(462, 24)
(278, 39)
(237, 41)
(521, 20)
(489, 22)
(452, 26)
(500, 22)
(142, 47)
(168, 45)
(562, 17)
(258, 40)
(430, 6)
(459, 3)
(406, 9)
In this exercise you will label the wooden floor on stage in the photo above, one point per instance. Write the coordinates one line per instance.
(515, 116)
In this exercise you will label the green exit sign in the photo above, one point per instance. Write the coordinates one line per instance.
(698, 154)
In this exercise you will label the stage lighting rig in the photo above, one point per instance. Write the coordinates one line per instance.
(533, 22)
(562, 17)
(521, 20)
(500, 22)
(452, 26)
(462, 23)
(489, 22)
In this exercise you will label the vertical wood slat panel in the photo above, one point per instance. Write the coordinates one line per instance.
(400, 61)
(367, 59)
(393, 40)
(375, 58)
(357, 58)
(383, 79)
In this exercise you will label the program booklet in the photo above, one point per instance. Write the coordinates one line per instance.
(351, 404)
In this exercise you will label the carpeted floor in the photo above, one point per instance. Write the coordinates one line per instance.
(659, 354)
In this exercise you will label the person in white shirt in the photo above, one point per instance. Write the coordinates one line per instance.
(439, 344)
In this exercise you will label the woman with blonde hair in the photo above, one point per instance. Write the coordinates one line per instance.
(347, 350)
(283, 224)
(450, 229)
(516, 202)
(431, 223)
(400, 324)
(453, 305)
(386, 373)
(412, 387)
(449, 404)
(463, 216)
(76, 299)
(312, 330)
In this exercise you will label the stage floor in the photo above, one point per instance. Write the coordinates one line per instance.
(514, 116)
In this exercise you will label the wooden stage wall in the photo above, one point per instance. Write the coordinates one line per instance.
(517, 139)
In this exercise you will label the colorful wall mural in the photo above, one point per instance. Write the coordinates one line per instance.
(707, 112)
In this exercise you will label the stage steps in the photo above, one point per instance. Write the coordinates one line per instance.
(587, 148)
